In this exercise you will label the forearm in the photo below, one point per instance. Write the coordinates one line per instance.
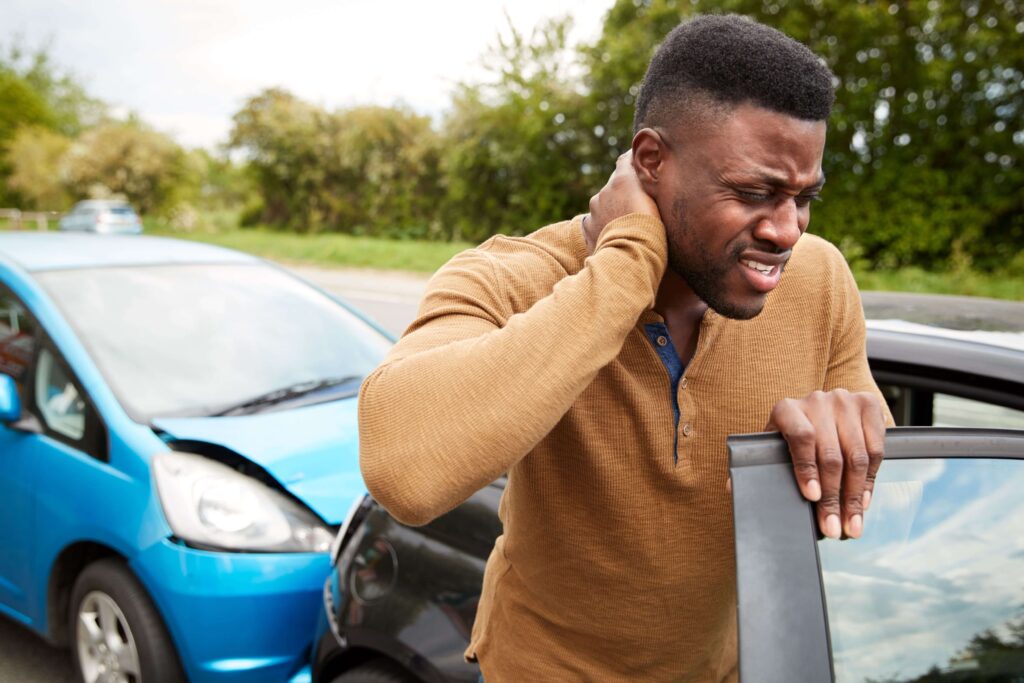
(441, 421)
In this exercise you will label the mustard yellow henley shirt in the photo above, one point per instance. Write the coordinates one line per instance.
(529, 357)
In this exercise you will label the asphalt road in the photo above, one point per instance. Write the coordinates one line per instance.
(388, 298)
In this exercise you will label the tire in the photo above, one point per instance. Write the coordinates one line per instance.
(379, 671)
(116, 632)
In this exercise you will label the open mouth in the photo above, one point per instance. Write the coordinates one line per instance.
(764, 277)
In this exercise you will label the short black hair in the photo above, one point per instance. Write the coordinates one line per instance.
(731, 60)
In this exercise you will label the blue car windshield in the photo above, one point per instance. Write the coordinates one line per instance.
(191, 340)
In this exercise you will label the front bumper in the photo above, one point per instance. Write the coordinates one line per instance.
(237, 617)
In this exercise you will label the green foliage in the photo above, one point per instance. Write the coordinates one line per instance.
(20, 105)
(324, 249)
(36, 95)
(925, 143)
(516, 147)
(924, 153)
(369, 170)
(70, 109)
(130, 159)
(34, 157)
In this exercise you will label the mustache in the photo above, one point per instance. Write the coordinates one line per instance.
(763, 247)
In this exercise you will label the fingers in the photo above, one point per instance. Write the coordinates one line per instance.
(789, 419)
(836, 440)
(855, 462)
(873, 420)
(828, 451)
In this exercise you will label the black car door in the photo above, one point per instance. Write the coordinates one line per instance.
(933, 590)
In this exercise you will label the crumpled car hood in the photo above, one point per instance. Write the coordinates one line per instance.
(313, 451)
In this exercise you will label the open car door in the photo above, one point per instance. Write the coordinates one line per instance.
(933, 591)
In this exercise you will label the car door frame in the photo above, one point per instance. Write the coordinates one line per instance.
(37, 434)
(781, 609)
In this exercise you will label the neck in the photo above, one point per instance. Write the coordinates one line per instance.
(677, 303)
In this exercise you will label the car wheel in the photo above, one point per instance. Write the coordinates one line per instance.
(375, 672)
(117, 633)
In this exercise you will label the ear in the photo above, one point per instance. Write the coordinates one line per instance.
(649, 156)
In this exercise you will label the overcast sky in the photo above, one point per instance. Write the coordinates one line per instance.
(186, 65)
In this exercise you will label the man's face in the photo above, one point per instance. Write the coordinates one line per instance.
(735, 196)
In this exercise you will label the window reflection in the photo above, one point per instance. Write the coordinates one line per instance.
(62, 407)
(194, 339)
(17, 339)
(934, 590)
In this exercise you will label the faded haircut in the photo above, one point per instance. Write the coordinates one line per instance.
(713, 63)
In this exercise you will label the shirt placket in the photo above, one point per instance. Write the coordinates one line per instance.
(657, 334)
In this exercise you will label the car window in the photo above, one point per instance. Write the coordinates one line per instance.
(915, 406)
(933, 591)
(59, 401)
(17, 339)
(955, 411)
(187, 340)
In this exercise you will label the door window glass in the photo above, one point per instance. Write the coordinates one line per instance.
(954, 411)
(17, 338)
(58, 399)
(933, 591)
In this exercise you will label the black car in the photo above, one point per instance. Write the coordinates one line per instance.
(933, 591)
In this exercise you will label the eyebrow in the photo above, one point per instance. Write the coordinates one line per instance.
(775, 180)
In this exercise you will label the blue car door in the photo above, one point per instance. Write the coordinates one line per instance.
(49, 462)
(18, 343)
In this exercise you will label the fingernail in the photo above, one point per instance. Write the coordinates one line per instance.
(867, 499)
(813, 490)
(832, 526)
(856, 526)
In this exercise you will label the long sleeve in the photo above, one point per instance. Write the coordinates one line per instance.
(848, 364)
(474, 385)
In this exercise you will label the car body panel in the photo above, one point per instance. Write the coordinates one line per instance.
(424, 620)
(65, 498)
(301, 448)
(236, 616)
(56, 251)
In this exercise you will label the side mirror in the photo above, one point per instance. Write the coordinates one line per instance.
(10, 403)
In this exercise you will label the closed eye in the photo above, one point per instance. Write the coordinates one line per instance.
(753, 196)
(806, 199)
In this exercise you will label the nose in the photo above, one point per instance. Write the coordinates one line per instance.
(783, 226)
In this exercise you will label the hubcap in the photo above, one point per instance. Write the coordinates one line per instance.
(106, 648)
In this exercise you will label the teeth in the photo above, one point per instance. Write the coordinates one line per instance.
(759, 267)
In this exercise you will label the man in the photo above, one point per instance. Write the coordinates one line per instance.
(602, 361)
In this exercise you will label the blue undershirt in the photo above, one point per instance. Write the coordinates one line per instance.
(660, 339)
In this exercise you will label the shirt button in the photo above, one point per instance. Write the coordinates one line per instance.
(662, 340)
(687, 429)
(682, 383)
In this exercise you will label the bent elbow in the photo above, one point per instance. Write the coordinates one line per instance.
(402, 478)
(396, 494)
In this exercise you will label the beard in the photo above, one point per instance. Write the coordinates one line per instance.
(706, 276)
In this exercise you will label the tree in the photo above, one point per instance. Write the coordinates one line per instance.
(70, 109)
(369, 170)
(515, 147)
(34, 93)
(924, 152)
(34, 157)
(130, 159)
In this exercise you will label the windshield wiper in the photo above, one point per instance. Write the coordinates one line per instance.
(286, 394)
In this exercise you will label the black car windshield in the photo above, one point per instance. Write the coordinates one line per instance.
(189, 340)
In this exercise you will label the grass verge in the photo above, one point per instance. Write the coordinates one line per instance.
(331, 249)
